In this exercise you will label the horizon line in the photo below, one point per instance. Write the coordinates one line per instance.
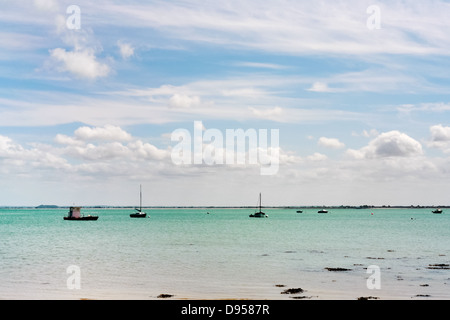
(231, 207)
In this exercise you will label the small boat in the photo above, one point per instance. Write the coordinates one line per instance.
(75, 214)
(299, 211)
(259, 214)
(437, 211)
(322, 211)
(139, 213)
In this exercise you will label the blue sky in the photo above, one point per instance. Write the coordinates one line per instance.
(86, 114)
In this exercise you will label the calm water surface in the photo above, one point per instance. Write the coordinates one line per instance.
(225, 254)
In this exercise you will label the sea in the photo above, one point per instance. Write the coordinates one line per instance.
(222, 253)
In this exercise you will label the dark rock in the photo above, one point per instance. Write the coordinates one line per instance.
(292, 291)
(337, 269)
(315, 251)
(439, 266)
(368, 298)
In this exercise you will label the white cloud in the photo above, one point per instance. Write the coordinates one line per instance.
(81, 63)
(184, 101)
(17, 42)
(244, 92)
(77, 159)
(126, 50)
(8, 148)
(331, 143)
(389, 144)
(260, 65)
(270, 113)
(317, 157)
(150, 93)
(366, 133)
(108, 132)
(380, 79)
(46, 5)
(16, 156)
(66, 140)
(319, 87)
(107, 151)
(370, 133)
(440, 138)
(133, 154)
(106, 144)
(437, 107)
(292, 26)
(147, 151)
(440, 133)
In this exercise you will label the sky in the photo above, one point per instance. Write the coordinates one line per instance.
(92, 92)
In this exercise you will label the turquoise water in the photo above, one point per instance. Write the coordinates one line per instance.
(225, 254)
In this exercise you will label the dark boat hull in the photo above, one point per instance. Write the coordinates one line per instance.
(138, 215)
(258, 215)
(82, 218)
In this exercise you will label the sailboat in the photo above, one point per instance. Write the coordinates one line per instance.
(259, 214)
(139, 213)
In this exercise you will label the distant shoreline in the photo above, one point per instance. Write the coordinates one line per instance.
(233, 207)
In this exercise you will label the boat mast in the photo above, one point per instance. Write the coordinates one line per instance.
(260, 202)
(140, 198)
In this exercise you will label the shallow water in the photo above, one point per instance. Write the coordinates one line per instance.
(225, 254)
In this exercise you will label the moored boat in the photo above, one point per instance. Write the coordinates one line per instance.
(139, 213)
(75, 214)
(259, 214)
